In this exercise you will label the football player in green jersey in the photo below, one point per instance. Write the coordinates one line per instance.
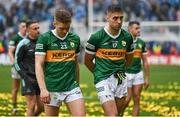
(15, 76)
(57, 69)
(112, 49)
(134, 73)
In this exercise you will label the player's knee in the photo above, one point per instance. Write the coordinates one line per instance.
(15, 90)
(137, 96)
(111, 113)
(38, 111)
(128, 98)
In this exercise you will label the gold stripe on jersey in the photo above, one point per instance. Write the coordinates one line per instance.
(111, 54)
(137, 53)
(60, 55)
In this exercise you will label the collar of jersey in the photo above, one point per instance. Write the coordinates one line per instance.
(135, 39)
(21, 35)
(55, 34)
(114, 37)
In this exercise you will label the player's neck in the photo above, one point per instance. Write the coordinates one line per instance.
(31, 37)
(113, 31)
(22, 34)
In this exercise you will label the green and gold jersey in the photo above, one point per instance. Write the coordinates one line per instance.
(139, 50)
(109, 51)
(60, 65)
(15, 40)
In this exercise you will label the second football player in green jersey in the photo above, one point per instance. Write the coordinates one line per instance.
(111, 48)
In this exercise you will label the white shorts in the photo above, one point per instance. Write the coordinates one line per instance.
(68, 96)
(109, 89)
(15, 74)
(134, 79)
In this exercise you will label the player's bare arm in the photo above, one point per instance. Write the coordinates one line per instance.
(10, 53)
(146, 68)
(77, 70)
(88, 61)
(129, 58)
(45, 97)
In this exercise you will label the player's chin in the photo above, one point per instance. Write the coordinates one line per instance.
(117, 27)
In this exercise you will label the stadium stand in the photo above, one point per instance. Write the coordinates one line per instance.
(12, 11)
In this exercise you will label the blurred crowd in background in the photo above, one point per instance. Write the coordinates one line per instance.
(12, 11)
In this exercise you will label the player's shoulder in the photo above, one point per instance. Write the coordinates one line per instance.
(23, 42)
(127, 36)
(46, 34)
(98, 35)
(99, 32)
(140, 40)
(73, 35)
(126, 33)
(44, 37)
(15, 37)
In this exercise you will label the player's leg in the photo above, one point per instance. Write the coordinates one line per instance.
(105, 93)
(51, 110)
(122, 103)
(110, 108)
(77, 107)
(136, 92)
(39, 107)
(136, 99)
(75, 102)
(129, 96)
(121, 95)
(31, 102)
(15, 87)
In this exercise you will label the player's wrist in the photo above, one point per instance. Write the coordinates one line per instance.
(43, 89)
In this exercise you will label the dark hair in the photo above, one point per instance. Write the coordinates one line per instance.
(133, 22)
(22, 21)
(29, 22)
(63, 15)
(114, 8)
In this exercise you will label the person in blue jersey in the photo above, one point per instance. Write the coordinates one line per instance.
(25, 66)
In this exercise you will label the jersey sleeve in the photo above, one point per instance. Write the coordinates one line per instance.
(130, 47)
(12, 42)
(91, 46)
(41, 46)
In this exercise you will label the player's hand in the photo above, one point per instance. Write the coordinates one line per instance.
(146, 83)
(45, 96)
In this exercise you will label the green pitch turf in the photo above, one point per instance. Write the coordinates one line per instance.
(161, 99)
